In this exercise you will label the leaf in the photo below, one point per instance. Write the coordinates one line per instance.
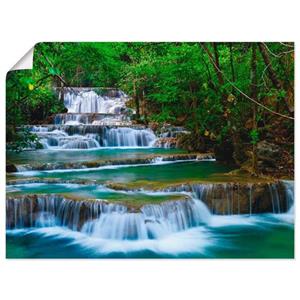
(230, 98)
(30, 87)
(254, 136)
(53, 71)
(212, 136)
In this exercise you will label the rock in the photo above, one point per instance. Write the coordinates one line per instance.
(166, 142)
(153, 126)
(170, 131)
(29, 209)
(268, 154)
(239, 198)
(10, 168)
(224, 151)
(191, 142)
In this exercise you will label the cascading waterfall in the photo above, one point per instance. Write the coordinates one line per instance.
(93, 121)
(90, 118)
(231, 198)
(125, 136)
(60, 139)
(85, 100)
(289, 192)
(104, 220)
(99, 219)
(93, 136)
(71, 119)
(30, 211)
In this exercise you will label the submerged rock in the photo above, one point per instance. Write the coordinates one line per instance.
(148, 159)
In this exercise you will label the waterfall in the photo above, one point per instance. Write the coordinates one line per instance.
(50, 210)
(93, 136)
(99, 219)
(289, 192)
(94, 120)
(153, 222)
(59, 139)
(71, 119)
(86, 100)
(128, 137)
(235, 198)
(91, 118)
(274, 198)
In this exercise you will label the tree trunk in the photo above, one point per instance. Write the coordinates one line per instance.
(253, 94)
(231, 63)
(271, 73)
(143, 108)
(211, 84)
(136, 100)
(194, 107)
(273, 76)
(217, 67)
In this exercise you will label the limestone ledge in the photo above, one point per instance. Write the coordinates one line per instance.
(99, 163)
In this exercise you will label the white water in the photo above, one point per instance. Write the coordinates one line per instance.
(26, 171)
(153, 222)
(193, 240)
(88, 101)
(104, 220)
(125, 136)
(91, 118)
(289, 185)
(109, 137)
(93, 121)
(59, 139)
(100, 219)
(170, 228)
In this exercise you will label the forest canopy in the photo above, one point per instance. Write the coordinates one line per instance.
(229, 95)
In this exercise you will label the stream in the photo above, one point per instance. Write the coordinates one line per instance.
(102, 188)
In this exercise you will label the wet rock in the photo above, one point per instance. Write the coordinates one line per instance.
(95, 164)
(205, 156)
(166, 142)
(50, 210)
(170, 131)
(239, 198)
(10, 168)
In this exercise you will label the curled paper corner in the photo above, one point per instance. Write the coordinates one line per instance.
(26, 62)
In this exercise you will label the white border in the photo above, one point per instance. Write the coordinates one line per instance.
(24, 23)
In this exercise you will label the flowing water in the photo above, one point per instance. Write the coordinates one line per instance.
(59, 206)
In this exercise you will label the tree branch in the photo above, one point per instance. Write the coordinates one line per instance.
(245, 95)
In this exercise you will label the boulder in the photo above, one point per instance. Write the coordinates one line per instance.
(10, 168)
(167, 142)
(268, 154)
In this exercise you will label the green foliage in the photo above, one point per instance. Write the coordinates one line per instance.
(254, 135)
(168, 82)
(23, 139)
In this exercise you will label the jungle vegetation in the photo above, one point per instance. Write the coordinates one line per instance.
(230, 96)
